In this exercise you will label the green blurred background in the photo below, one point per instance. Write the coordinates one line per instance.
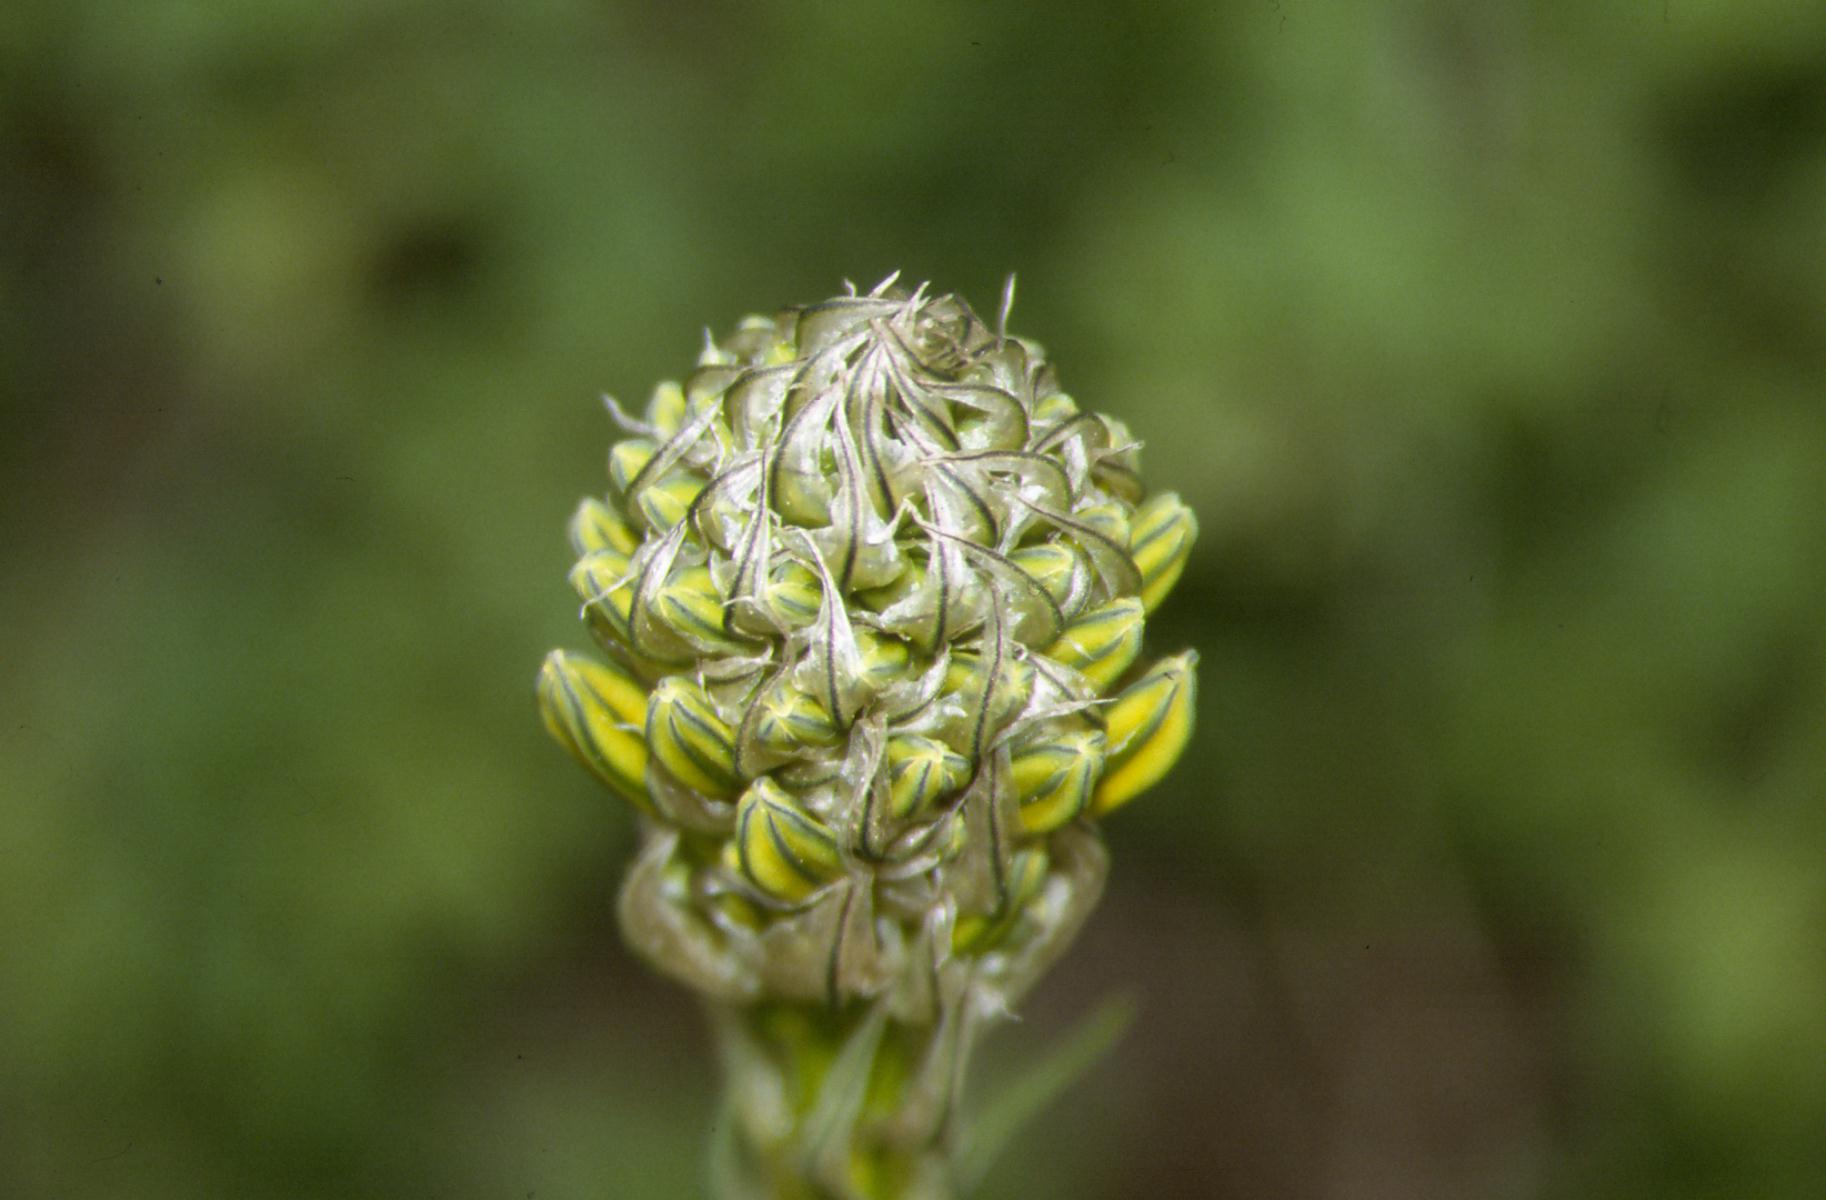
(1487, 340)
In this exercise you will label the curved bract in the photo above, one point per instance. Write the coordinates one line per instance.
(873, 589)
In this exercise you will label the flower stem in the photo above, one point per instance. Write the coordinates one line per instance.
(845, 1104)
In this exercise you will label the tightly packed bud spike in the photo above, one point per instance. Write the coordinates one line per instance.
(873, 585)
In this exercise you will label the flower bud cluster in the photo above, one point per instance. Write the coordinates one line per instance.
(872, 591)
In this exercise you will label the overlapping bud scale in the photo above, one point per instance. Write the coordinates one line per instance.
(872, 591)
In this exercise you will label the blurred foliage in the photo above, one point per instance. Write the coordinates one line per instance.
(1486, 339)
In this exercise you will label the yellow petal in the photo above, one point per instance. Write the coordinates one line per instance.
(1103, 642)
(1163, 532)
(690, 740)
(1148, 728)
(1052, 779)
(627, 458)
(781, 848)
(595, 712)
(596, 526)
(664, 504)
(666, 410)
(921, 772)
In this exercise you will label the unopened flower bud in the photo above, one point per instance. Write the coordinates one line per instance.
(1148, 729)
(1160, 540)
(1052, 778)
(871, 581)
(1061, 572)
(666, 409)
(779, 847)
(783, 723)
(921, 773)
(595, 526)
(596, 712)
(600, 579)
(692, 611)
(1102, 643)
(688, 738)
(977, 933)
